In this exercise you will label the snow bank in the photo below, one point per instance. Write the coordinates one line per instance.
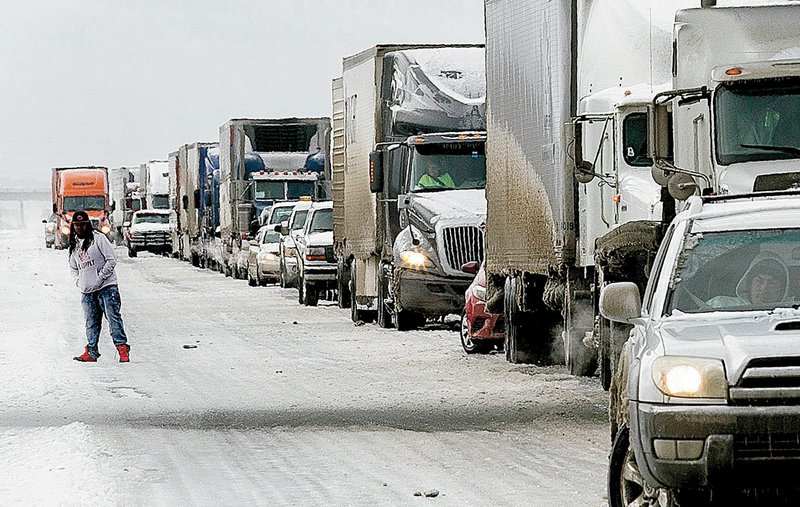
(55, 466)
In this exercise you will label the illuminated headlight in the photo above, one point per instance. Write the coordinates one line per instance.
(51, 227)
(105, 229)
(479, 292)
(65, 230)
(690, 377)
(416, 260)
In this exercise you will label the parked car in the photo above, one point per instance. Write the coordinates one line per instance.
(315, 258)
(263, 264)
(288, 251)
(149, 230)
(50, 230)
(706, 397)
(480, 331)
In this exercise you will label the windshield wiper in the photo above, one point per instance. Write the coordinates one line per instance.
(791, 150)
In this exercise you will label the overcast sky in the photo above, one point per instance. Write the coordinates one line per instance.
(120, 82)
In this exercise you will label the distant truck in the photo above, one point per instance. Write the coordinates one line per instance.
(157, 184)
(119, 177)
(80, 188)
(191, 169)
(264, 161)
(401, 231)
(616, 134)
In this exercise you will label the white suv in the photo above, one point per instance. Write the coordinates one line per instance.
(316, 261)
(706, 399)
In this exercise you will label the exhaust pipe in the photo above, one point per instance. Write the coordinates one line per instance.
(708, 3)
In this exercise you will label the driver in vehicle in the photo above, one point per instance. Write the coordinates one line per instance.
(766, 282)
(435, 179)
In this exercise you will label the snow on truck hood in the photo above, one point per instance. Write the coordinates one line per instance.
(734, 337)
(451, 204)
(149, 227)
(320, 238)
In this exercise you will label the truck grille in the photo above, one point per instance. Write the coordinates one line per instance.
(462, 245)
(769, 382)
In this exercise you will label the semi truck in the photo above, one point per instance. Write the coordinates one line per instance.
(157, 172)
(80, 189)
(612, 138)
(263, 161)
(119, 177)
(402, 232)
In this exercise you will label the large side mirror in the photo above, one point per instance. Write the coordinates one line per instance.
(584, 170)
(44, 221)
(197, 199)
(185, 201)
(621, 302)
(113, 205)
(55, 208)
(658, 131)
(208, 200)
(284, 228)
(376, 171)
(470, 267)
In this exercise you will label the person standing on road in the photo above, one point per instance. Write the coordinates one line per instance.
(92, 262)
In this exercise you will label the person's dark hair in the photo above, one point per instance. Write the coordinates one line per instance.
(83, 217)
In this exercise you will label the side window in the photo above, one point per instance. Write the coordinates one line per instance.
(658, 263)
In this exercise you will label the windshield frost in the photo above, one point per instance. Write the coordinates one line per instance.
(738, 271)
(758, 121)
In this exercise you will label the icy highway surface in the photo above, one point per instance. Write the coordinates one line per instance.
(239, 396)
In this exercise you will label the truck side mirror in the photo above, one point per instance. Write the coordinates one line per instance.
(185, 201)
(376, 171)
(584, 170)
(208, 202)
(658, 131)
(113, 205)
(55, 208)
(197, 198)
(620, 302)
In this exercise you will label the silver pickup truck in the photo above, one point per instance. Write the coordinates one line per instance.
(706, 400)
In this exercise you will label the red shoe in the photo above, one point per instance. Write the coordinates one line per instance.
(85, 357)
(123, 353)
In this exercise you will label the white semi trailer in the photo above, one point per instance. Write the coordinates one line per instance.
(575, 199)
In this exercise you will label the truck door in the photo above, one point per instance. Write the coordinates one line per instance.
(395, 163)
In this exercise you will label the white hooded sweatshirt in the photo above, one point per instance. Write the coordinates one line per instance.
(93, 269)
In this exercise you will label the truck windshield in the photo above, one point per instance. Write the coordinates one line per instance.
(84, 203)
(151, 219)
(737, 271)
(758, 121)
(266, 190)
(322, 220)
(298, 189)
(299, 220)
(447, 166)
(161, 202)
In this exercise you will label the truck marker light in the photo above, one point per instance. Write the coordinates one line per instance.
(617, 198)
(65, 230)
(628, 93)
(419, 140)
(734, 71)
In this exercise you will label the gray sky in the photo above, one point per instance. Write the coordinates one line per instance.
(120, 82)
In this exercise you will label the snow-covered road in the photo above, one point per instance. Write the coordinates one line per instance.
(271, 404)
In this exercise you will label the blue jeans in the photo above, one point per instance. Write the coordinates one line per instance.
(95, 304)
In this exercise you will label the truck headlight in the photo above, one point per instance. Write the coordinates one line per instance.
(289, 251)
(690, 377)
(105, 229)
(65, 230)
(416, 260)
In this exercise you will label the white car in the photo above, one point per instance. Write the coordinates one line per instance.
(706, 398)
(150, 230)
(287, 249)
(316, 261)
(263, 265)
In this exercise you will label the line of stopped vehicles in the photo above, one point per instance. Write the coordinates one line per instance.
(626, 205)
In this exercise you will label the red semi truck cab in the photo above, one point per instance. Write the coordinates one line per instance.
(80, 188)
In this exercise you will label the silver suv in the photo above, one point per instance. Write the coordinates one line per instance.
(706, 399)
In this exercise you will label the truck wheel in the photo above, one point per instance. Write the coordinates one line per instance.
(342, 285)
(357, 315)
(406, 320)
(580, 359)
(300, 286)
(132, 252)
(310, 294)
(283, 276)
(528, 335)
(252, 282)
(384, 318)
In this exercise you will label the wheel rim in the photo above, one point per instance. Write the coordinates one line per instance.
(466, 340)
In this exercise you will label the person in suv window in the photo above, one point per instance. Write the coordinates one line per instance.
(765, 282)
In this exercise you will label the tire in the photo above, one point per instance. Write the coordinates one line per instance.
(310, 294)
(384, 317)
(357, 315)
(342, 286)
(283, 276)
(252, 282)
(470, 346)
(580, 360)
(132, 252)
(626, 486)
(521, 327)
(406, 320)
(300, 286)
